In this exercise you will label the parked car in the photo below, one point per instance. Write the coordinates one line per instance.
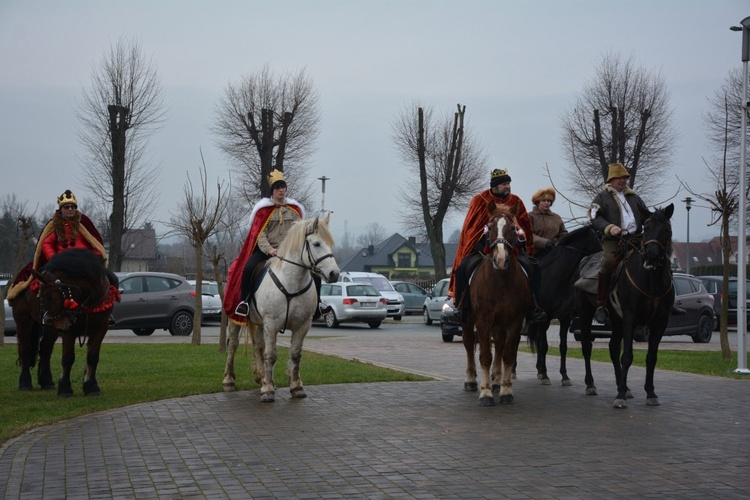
(151, 300)
(353, 302)
(714, 286)
(413, 295)
(435, 306)
(382, 285)
(697, 322)
(10, 322)
(210, 299)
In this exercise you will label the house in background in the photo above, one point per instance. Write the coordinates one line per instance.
(138, 250)
(702, 254)
(399, 258)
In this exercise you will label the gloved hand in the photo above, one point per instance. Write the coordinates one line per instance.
(550, 245)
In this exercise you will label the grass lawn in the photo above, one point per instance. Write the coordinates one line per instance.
(136, 373)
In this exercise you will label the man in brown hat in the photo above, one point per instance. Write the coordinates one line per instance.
(617, 212)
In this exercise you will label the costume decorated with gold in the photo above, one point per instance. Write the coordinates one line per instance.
(59, 234)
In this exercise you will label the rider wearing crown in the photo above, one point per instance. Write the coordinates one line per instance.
(67, 229)
(472, 244)
(270, 221)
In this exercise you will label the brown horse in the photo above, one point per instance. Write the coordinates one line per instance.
(500, 295)
(71, 297)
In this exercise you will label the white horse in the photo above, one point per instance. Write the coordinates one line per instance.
(285, 300)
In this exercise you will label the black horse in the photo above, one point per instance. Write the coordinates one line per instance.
(71, 297)
(642, 294)
(559, 267)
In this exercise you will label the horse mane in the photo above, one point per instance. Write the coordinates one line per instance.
(295, 238)
(574, 235)
(77, 262)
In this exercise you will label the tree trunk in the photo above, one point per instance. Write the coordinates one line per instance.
(118, 125)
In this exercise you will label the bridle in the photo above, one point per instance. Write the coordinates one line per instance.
(70, 306)
(501, 240)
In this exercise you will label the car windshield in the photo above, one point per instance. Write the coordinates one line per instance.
(211, 288)
(379, 283)
(362, 291)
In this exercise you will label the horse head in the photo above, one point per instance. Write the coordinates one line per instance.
(502, 235)
(318, 245)
(56, 302)
(657, 238)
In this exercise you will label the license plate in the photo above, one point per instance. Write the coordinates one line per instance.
(368, 304)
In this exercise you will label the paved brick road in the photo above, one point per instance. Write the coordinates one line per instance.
(401, 440)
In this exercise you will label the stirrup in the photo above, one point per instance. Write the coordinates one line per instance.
(601, 315)
(243, 309)
(539, 316)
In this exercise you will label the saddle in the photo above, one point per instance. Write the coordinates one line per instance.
(258, 274)
(589, 273)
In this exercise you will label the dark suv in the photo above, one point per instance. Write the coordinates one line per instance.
(690, 295)
(713, 285)
(152, 300)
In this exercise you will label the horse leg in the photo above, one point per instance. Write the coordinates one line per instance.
(507, 353)
(233, 340)
(564, 326)
(90, 384)
(295, 356)
(486, 398)
(259, 352)
(469, 339)
(542, 347)
(654, 339)
(621, 362)
(64, 387)
(44, 370)
(267, 388)
(27, 339)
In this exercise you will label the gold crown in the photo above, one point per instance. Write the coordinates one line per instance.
(67, 198)
(499, 172)
(275, 176)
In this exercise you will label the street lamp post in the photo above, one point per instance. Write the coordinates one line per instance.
(687, 202)
(323, 198)
(742, 233)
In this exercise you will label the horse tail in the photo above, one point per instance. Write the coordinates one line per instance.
(532, 335)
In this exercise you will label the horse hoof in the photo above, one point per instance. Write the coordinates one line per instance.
(591, 391)
(229, 387)
(546, 381)
(620, 403)
(506, 399)
(471, 386)
(267, 398)
(91, 389)
(566, 382)
(652, 402)
(48, 387)
(628, 394)
(298, 393)
(486, 401)
(64, 395)
(25, 388)
(94, 394)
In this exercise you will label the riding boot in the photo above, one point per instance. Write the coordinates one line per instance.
(322, 308)
(601, 315)
(243, 308)
(536, 314)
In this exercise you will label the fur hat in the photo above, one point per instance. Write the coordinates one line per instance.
(544, 194)
(499, 176)
(67, 198)
(616, 170)
(275, 177)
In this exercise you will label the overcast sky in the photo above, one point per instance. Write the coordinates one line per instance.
(516, 66)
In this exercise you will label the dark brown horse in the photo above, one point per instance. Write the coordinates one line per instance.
(500, 296)
(559, 268)
(642, 294)
(70, 297)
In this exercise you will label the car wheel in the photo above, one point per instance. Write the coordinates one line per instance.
(331, 321)
(143, 332)
(397, 318)
(427, 319)
(374, 324)
(182, 324)
(705, 330)
(447, 337)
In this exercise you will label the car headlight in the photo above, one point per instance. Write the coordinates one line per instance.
(447, 308)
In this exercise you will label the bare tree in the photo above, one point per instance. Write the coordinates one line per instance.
(623, 115)
(449, 164)
(723, 122)
(116, 116)
(374, 234)
(265, 123)
(197, 217)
